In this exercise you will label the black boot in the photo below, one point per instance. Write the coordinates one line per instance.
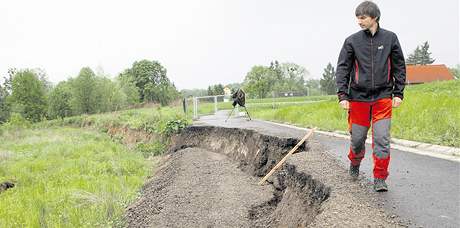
(380, 185)
(354, 172)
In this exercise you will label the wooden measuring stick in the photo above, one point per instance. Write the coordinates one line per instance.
(286, 157)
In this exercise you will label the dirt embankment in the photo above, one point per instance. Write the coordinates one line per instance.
(209, 179)
(130, 137)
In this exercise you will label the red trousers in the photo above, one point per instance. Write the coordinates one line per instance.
(360, 117)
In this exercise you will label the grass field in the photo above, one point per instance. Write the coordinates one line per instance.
(153, 120)
(430, 113)
(69, 173)
(67, 177)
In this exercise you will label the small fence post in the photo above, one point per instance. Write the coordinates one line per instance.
(215, 104)
(184, 106)
(195, 107)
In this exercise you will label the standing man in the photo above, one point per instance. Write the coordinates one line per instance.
(371, 73)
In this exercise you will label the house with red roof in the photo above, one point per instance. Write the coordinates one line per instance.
(417, 74)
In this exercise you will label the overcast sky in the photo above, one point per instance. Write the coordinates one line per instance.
(203, 42)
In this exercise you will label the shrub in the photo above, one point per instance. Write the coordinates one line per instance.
(17, 121)
(151, 149)
(173, 127)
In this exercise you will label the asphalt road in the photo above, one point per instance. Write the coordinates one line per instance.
(423, 190)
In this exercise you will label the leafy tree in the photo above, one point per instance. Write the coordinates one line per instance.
(314, 87)
(425, 54)
(90, 93)
(59, 101)
(218, 89)
(328, 81)
(104, 91)
(28, 96)
(4, 107)
(421, 55)
(278, 77)
(290, 78)
(163, 92)
(414, 58)
(41, 74)
(118, 99)
(111, 95)
(151, 80)
(276, 68)
(148, 74)
(259, 82)
(84, 94)
(313, 83)
(8, 83)
(128, 87)
(5, 92)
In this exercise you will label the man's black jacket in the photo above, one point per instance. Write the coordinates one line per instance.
(371, 67)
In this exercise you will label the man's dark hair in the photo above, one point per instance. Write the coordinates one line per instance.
(368, 8)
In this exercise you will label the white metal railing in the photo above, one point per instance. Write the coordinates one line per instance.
(196, 101)
(275, 102)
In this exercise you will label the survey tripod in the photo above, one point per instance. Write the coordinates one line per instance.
(239, 98)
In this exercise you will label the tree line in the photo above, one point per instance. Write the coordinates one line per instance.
(276, 79)
(28, 92)
(281, 79)
(262, 81)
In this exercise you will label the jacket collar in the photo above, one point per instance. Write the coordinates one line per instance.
(368, 32)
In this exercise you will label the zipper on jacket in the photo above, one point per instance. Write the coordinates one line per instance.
(356, 72)
(372, 64)
(389, 69)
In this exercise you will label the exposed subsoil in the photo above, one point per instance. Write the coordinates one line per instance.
(130, 137)
(209, 178)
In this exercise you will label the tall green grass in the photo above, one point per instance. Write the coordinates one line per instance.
(289, 99)
(325, 115)
(429, 113)
(66, 177)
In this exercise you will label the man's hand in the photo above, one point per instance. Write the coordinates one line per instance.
(345, 104)
(396, 102)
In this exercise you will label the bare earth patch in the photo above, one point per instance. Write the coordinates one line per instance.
(209, 179)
